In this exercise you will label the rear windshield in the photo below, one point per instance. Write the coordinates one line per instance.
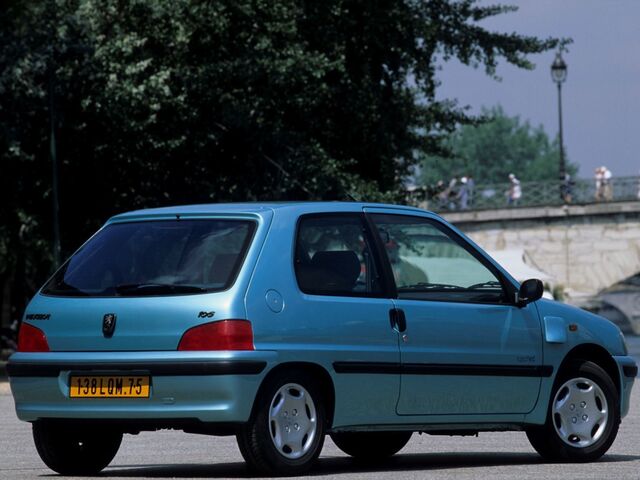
(169, 257)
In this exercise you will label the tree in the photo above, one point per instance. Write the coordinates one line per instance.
(492, 149)
(159, 102)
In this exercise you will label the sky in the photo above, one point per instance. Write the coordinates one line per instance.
(601, 96)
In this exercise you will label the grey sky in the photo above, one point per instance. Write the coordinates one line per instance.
(601, 97)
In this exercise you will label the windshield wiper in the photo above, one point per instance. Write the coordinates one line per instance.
(63, 288)
(156, 288)
(432, 286)
(489, 284)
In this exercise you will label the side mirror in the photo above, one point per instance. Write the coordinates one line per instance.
(530, 291)
(384, 235)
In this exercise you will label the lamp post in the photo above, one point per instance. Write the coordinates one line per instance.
(559, 75)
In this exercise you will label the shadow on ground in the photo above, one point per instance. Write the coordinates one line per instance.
(346, 465)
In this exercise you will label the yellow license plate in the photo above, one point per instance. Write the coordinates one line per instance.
(109, 386)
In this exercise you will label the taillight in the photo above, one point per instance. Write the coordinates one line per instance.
(220, 335)
(32, 339)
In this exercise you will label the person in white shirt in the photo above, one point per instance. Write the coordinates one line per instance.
(607, 184)
(515, 191)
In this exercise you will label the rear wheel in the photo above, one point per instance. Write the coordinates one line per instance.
(75, 451)
(371, 446)
(583, 417)
(286, 433)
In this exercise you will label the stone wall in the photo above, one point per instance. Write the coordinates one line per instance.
(585, 248)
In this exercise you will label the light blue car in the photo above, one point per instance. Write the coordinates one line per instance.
(281, 323)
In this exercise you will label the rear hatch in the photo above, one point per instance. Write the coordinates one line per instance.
(139, 285)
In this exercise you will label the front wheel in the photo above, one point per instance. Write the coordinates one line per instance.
(371, 446)
(583, 418)
(286, 433)
(71, 450)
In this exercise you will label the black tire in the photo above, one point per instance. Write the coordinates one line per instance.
(548, 441)
(69, 450)
(256, 439)
(371, 446)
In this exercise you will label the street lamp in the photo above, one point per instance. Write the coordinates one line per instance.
(559, 75)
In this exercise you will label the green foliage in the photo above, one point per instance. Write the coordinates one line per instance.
(495, 147)
(159, 102)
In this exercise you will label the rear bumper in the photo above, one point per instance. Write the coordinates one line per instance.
(216, 387)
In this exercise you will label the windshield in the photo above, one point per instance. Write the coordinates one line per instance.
(169, 257)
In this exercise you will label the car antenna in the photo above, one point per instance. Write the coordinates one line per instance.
(286, 174)
(350, 197)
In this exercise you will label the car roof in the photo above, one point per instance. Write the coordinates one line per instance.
(255, 208)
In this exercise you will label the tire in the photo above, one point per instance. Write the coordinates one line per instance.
(286, 431)
(583, 416)
(371, 446)
(75, 451)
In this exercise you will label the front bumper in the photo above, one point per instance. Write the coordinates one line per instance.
(628, 372)
(208, 387)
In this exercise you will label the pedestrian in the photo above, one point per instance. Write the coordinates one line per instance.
(598, 176)
(441, 194)
(471, 188)
(463, 194)
(451, 193)
(515, 191)
(566, 188)
(607, 184)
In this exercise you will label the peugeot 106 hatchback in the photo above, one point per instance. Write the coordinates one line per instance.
(281, 323)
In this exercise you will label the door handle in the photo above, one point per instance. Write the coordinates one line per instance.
(393, 319)
(398, 320)
(402, 320)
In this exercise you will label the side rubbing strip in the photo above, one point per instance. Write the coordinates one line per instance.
(444, 369)
(367, 367)
(630, 370)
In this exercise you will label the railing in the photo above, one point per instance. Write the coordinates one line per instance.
(534, 194)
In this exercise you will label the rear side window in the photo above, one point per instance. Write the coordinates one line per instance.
(333, 257)
(169, 257)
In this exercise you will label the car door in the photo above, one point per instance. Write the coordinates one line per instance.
(465, 347)
(347, 308)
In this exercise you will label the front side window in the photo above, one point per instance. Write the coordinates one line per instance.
(429, 263)
(333, 257)
(168, 257)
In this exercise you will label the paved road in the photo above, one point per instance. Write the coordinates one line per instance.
(171, 454)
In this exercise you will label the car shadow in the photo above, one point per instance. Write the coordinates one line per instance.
(346, 465)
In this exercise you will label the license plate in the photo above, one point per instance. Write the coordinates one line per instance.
(109, 386)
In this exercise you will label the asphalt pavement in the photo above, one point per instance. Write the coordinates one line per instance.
(170, 454)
